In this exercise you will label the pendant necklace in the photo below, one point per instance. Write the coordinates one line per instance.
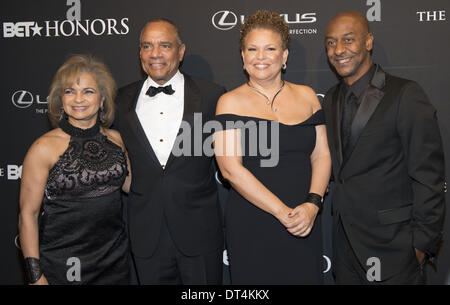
(268, 100)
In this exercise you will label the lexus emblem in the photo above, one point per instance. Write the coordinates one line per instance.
(22, 99)
(224, 20)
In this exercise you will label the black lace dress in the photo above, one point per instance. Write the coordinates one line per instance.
(82, 234)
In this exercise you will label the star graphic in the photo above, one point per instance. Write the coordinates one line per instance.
(36, 29)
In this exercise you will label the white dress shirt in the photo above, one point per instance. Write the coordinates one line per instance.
(161, 115)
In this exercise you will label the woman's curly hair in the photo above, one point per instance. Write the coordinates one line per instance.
(265, 20)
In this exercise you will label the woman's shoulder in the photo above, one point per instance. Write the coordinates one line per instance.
(231, 101)
(301, 89)
(305, 94)
(54, 137)
(49, 146)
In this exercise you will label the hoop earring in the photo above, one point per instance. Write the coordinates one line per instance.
(284, 67)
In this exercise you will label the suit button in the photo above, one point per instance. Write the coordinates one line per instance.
(161, 140)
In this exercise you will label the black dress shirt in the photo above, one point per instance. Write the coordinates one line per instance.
(350, 99)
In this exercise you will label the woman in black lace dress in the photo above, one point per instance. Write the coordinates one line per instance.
(273, 230)
(71, 223)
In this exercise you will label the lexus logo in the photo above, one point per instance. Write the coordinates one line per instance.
(22, 99)
(224, 20)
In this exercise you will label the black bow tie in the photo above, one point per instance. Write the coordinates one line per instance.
(152, 91)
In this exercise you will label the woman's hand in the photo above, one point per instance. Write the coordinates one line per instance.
(303, 217)
(283, 216)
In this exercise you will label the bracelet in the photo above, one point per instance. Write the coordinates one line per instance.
(32, 269)
(315, 199)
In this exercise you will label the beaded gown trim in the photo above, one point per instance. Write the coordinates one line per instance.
(91, 166)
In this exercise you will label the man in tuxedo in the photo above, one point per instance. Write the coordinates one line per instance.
(388, 164)
(173, 212)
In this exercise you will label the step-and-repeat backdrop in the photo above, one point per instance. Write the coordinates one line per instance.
(411, 41)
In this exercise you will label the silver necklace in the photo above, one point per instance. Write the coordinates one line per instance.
(268, 100)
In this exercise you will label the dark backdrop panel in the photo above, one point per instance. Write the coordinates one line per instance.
(411, 40)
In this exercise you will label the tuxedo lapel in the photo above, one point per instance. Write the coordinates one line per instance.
(192, 104)
(372, 97)
(192, 98)
(135, 124)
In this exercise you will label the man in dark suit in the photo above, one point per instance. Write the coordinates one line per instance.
(388, 164)
(174, 213)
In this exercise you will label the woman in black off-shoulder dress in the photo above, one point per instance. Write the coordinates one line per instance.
(274, 152)
(72, 178)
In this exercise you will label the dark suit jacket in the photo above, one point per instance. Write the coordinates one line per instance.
(185, 192)
(389, 193)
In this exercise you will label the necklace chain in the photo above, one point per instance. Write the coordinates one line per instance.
(267, 98)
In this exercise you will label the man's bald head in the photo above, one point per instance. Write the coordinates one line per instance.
(356, 17)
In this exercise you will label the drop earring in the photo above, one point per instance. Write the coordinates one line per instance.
(102, 114)
(62, 115)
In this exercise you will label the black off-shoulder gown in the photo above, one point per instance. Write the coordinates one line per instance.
(260, 249)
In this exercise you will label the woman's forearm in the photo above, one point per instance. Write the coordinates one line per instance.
(249, 187)
(320, 174)
(29, 234)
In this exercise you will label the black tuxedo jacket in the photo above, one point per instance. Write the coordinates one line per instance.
(389, 193)
(185, 192)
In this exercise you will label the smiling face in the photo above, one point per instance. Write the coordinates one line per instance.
(81, 101)
(160, 51)
(263, 55)
(348, 44)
